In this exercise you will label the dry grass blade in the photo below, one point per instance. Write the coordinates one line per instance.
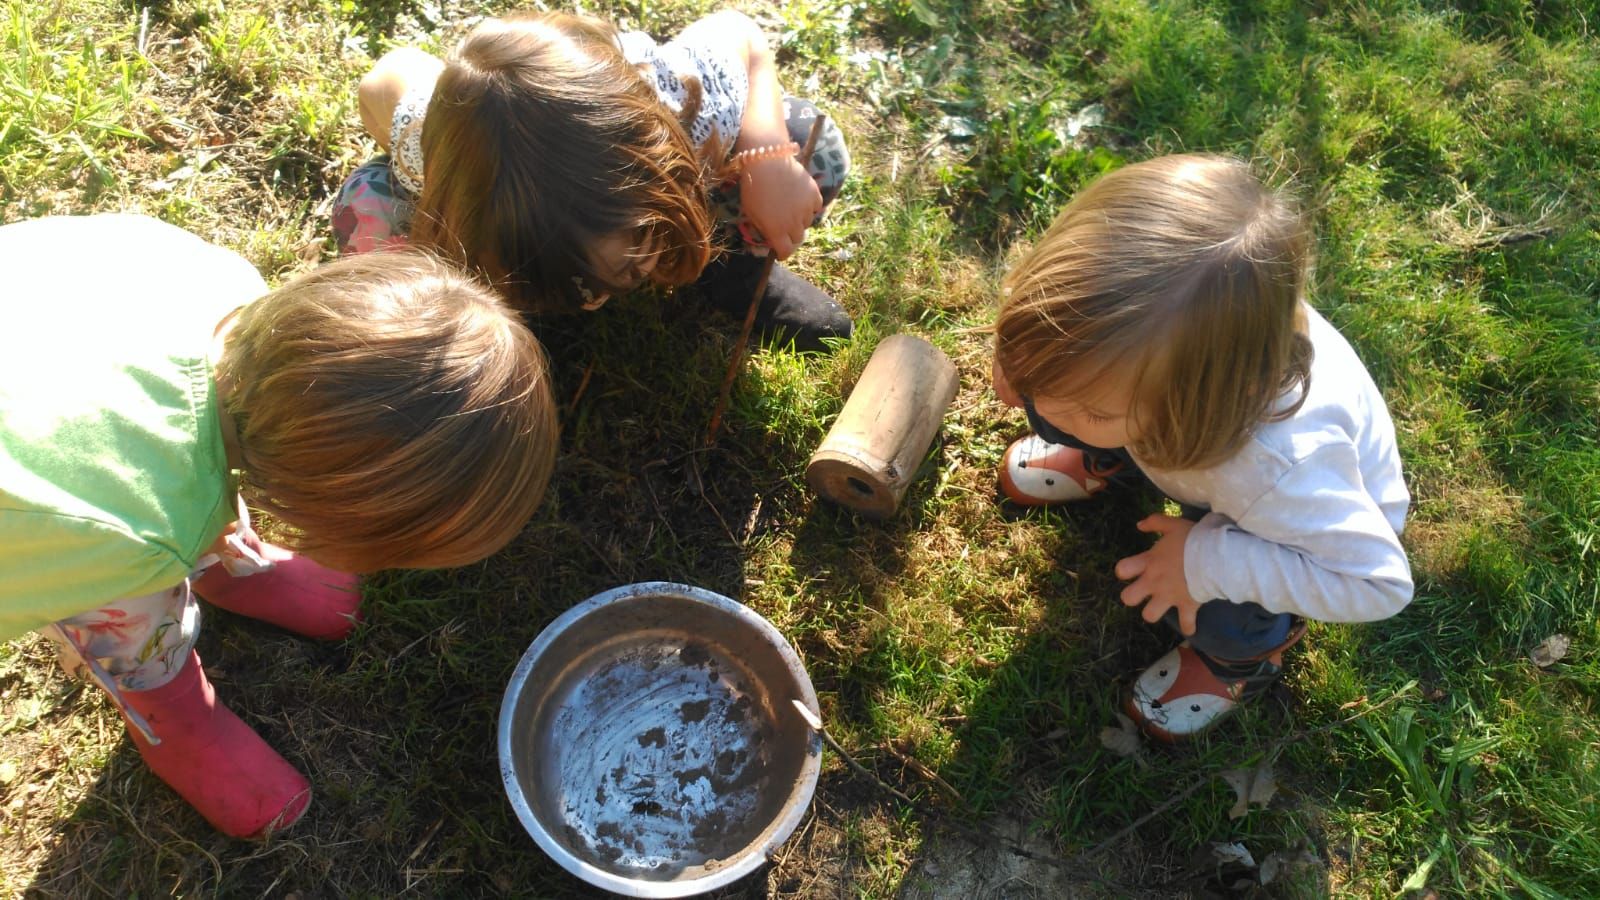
(1469, 223)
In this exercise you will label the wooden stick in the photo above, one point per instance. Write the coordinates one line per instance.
(755, 302)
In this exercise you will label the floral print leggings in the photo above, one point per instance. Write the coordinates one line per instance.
(141, 643)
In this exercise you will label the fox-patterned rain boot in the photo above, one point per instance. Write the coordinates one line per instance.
(1187, 691)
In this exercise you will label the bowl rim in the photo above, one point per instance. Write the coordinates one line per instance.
(793, 812)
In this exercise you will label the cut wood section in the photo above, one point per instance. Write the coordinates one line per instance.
(872, 452)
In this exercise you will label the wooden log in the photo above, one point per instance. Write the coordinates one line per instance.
(869, 457)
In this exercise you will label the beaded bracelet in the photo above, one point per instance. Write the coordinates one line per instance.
(770, 151)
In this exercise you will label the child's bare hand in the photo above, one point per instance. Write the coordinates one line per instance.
(781, 199)
(1157, 574)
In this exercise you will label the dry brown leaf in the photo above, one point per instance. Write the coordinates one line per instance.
(1124, 739)
(1550, 651)
(1250, 786)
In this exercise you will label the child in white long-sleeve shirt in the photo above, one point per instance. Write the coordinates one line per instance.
(1159, 329)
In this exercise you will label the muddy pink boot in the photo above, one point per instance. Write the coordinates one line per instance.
(214, 760)
(295, 593)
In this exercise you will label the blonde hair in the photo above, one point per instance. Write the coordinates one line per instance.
(540, 139)
(391, 411)
(1188, 270)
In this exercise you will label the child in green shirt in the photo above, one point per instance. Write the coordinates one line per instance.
(386, 409)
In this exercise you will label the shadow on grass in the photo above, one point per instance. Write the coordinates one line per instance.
(850, 563)
(1030, 753)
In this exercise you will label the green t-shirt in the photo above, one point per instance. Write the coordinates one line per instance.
(113, 477)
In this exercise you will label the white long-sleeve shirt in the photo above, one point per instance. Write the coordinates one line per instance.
(1306, 518)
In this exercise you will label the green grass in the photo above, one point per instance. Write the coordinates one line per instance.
(1447, 157)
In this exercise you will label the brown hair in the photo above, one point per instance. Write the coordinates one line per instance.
(391, 411)
(540, 138)
(1190, 270)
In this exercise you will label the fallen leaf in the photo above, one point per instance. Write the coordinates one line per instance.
(8, 772)
(1251, 786)
(1550, 651)
(1091, 116)
(1124, 739)
(1233, 853)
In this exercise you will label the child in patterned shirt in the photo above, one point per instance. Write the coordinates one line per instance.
(570, 161)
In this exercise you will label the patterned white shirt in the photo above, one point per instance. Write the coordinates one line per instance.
(724, 91)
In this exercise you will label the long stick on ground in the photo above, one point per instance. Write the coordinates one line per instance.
(1077, 866)
(755, 302)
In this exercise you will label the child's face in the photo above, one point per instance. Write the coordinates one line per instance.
(619, 260)
(1100, 416)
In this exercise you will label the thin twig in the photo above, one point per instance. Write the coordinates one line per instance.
(268, 892)
(656, 503)
(423, 843)
(1271, 752)
(751, 521)
(967, 831)
(1075, 866)
(755, 302)
(700, 488)
(583, 385)
(1133, 826)
(860, 769)
(927, 774)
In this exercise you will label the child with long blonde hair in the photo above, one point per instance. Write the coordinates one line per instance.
(1159, 331)
(569, 161)
(387, 410)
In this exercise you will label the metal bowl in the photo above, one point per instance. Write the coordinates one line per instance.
(650, 744)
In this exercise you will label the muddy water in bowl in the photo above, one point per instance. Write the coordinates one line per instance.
(667, 757)
(650, 744)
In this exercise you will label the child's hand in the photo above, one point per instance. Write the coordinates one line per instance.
(1157, 573)
(781, 199)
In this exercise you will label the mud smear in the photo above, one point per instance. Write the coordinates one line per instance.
(662, 771)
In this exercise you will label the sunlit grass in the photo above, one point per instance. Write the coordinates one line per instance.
(984, 643)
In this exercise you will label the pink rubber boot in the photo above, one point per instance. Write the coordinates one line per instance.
(214, 760)
(296, 594)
